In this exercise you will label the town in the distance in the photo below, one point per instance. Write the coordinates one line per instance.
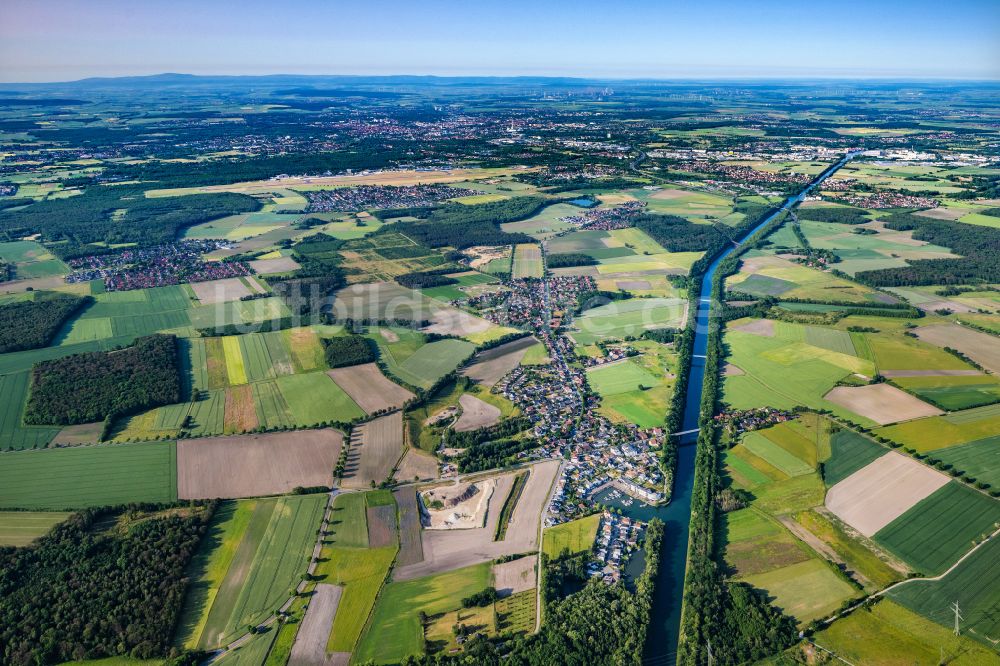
(332, 371)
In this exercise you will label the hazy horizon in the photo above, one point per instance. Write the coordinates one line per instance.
(63, 40)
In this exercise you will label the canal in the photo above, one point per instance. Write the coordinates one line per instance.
(664, 628)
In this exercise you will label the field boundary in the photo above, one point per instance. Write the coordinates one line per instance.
(509, 504)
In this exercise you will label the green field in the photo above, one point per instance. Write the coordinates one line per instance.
(806, 590)
(939, 529)
(891, 634)
(576, 536)
(429, 362)
(849, 453)
(528, 261)
(208, 569)
(131, 313)
(266, 565)
(349, 522)
(859, 558)
(953, 393)
(620, 377)
(87, 476)
(979, 459)
(13, 434)
(780, 373)
(395, 632)
(938, 432)
(238, 312)
(362, 572)
(631, 317)
(19, 528)
(546, 222)
(315, 398)
(761, 445)
(974, 585)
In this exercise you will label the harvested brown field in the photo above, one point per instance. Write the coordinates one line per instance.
(368, 387)
(253, 465)
(240, 414)
(882, 403)
(452, 321)
(417, 464)
(410, 548)
(980, 347)
(276, 265)
(381, 525)
(489, 366)
(882, 491)
(309, 648)
(513, 577)
(730, 370)
(220, 291)
(633, 284)
(376, 447)
(929, 373)
(446, 550)
(388, 335)
(943, 213)
(476, 414)
(763, 327)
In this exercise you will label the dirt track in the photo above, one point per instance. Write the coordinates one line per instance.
(252, 465)
(446, 550)
(310, 643)
(376, 446)
(368, 387)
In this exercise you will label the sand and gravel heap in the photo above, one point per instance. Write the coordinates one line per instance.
(457, 506)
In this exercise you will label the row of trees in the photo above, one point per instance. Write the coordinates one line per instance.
(89, 387)
(33, 324)
(569, 259)
(86, 593)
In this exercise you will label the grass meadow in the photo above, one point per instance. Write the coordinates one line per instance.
(79, 477)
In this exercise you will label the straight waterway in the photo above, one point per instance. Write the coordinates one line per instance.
(664, 628)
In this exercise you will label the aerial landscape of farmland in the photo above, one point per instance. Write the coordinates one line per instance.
(355, 369)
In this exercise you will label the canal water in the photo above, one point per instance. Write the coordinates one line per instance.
(664, 628)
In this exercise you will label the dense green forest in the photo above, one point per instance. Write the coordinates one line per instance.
(121, 214)
(424, 279)
(33, 324)
(838, 214)
(569, 259)
(978, 245)
(89, 589)
(461, 226)
(84, 388)
(677, 234)
(348, 350)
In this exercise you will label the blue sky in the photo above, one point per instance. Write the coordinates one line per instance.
(58, 40)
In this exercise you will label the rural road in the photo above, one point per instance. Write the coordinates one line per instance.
(317, 549)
